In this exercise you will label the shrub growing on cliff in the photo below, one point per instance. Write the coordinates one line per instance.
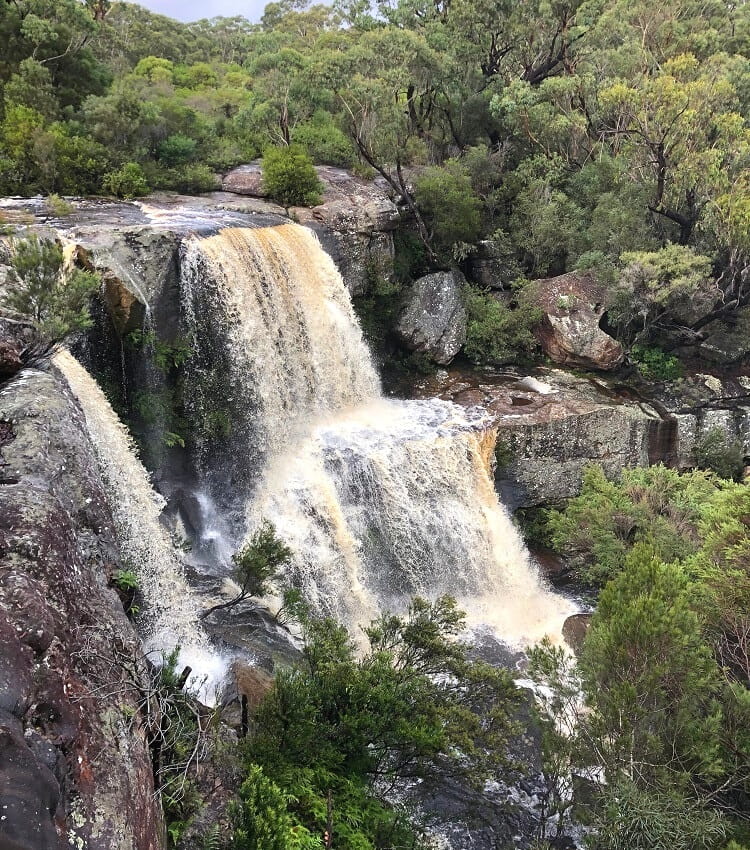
(495, 333)
(289, 177)
(52, 297)
(257, 564)
(723, 456)
(339, 731)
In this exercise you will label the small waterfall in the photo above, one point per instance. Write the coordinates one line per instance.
(171, 615)
(378, 499)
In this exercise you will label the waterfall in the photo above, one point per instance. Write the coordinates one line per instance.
(276, 346)
(170, 617)
(378, 499)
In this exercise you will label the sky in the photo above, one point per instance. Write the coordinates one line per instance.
(193, 10)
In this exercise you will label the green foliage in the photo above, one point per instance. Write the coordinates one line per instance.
(631, 818)
(656, 680)
(261, 820)
(164, 355)
(450, 208)
(126, 580)
(260, 561)
(654, 364)
(289, 177)
(652, 505)
(497, 334)
(58, 206)
(127, 182)
(335, 731)
(714, 451)
(177, 149)
(53, 297)
(324, 141)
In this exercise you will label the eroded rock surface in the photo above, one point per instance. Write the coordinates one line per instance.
(433, 320)
(74, 765)
(569, 333)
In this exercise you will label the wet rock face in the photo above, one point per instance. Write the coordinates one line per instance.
(569, 333)
(433, 320)
(74, 765)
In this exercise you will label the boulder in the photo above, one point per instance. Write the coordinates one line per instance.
(573, 305)
(10, 360)
(574, 630)
(433, 319)
(245, 180)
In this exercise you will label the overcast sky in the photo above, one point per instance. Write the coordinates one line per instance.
(194, 10)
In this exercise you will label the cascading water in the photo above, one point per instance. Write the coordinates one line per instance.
(378, 499)
(171, 615)
(276, 346)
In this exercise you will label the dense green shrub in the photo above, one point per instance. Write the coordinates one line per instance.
(725, 457)
(324, 141)
(289, 177)
(450, 208)
(652, 505)
(655, 364)
(339, 730)
(497, 334)
(127, 182)
(51, 296)
(177, 150)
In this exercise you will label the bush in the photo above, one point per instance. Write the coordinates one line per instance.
(195, 179)
(53, 298)
(634, 819)
(655, 364)
(289, 177)
(655, 505)
(177, 150)
(496, 333)
(450, 207)
(324, 142)
(127, 182)
(724, 457)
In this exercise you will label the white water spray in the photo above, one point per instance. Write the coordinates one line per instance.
(171, 615)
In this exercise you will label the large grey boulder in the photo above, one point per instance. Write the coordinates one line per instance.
(433, 320)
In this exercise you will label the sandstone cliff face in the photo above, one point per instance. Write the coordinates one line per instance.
(74, 765)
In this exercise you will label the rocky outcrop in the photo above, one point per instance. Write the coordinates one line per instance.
(433, 319)
(551, 426)
(75, 769)
(355, 221)
(573, 305)
(727, 341)
(703, 403)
